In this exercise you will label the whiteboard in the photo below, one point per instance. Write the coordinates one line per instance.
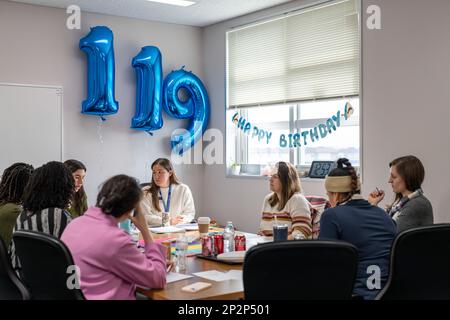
(30, 124)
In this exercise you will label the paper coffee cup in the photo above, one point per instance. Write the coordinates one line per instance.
(203, 225)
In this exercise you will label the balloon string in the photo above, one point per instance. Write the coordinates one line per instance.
(148, 169)
(100, 139)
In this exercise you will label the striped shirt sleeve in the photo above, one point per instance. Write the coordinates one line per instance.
(301, 217)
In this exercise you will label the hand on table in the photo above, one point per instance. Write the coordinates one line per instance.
(176, 220)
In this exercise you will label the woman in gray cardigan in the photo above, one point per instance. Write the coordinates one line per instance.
(410, 208)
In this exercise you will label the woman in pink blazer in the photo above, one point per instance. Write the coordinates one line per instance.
(110, 264)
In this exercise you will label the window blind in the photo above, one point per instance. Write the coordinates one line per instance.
(310, 54)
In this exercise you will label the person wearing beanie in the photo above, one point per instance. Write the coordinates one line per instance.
(353, 219)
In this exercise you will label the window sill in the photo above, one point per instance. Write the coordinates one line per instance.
(249, 176)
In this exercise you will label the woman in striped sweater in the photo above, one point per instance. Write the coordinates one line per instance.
(45, 200)
(286, 204)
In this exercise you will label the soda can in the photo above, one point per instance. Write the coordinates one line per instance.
(218, 244)
(239, 243)
(207, 248)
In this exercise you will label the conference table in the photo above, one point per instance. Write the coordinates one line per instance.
(223, 290)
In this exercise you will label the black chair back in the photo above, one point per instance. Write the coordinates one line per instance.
(47, 266)
(420, 265)
(145, 184)
(300, 270)
(11, 288)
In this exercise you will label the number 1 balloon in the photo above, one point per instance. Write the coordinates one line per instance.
(98, 46)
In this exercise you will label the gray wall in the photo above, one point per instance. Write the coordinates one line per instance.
(405, 101)
(37, 48)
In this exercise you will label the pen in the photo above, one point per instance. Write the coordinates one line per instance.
(169, 267)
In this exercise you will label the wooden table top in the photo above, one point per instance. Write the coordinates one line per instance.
(224, 290)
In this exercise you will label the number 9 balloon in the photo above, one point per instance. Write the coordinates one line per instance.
(196, 107)
(98, 46)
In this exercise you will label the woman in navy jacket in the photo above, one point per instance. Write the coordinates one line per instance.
(354, 220)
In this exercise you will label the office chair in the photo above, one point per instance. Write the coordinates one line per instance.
(47, 266)
(11, 288)
(420, 264)
(300, 270)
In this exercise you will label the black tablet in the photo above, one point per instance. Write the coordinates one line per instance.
(319, 169)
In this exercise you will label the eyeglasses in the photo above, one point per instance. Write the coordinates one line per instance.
(159, 173)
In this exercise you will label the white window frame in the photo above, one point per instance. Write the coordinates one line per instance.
(294, 153)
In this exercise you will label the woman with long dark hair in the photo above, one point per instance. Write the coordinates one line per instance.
(45, 201)
(12, 185)
(167, 200)
(355, 220)
(78, 204)
(410, 208)
(286, 204)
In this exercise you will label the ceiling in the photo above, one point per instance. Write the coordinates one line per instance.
(200, 14)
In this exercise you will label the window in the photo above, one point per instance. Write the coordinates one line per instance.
(286, 78)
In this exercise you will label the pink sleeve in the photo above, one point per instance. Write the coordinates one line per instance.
(146, 269)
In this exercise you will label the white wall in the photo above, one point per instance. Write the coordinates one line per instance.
(405, 100)
(37, 48)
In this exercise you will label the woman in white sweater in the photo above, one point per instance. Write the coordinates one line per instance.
(167, 195)
(286, 204)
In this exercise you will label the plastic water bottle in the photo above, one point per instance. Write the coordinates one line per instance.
(126, 225)
(228, 237)
(181, 250)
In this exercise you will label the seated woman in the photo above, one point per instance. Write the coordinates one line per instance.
(355, 220)
(45, 200)
(410, 208)
(167, 195)
(111, 265)
(286, 204)
(79, 203)
(12, 185)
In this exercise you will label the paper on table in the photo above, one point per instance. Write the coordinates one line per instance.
(166, 229)
(235, 274)
(213, 275)
(218, 276)
(173, 277)
(188, 226)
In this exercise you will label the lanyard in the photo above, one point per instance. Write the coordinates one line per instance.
(166, 204)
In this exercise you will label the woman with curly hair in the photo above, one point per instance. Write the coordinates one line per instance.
(45, 200)
(12, 185)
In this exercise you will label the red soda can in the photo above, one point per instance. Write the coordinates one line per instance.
(239, 243)
(218, 244)
(207, 248)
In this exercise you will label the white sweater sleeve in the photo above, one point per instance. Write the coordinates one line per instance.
(152, 216)
(188, 207)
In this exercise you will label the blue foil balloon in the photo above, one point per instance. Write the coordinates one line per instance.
(196, 107)
(98, 46)
(147, 65)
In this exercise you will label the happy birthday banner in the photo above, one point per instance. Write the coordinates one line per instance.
(297, 139)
